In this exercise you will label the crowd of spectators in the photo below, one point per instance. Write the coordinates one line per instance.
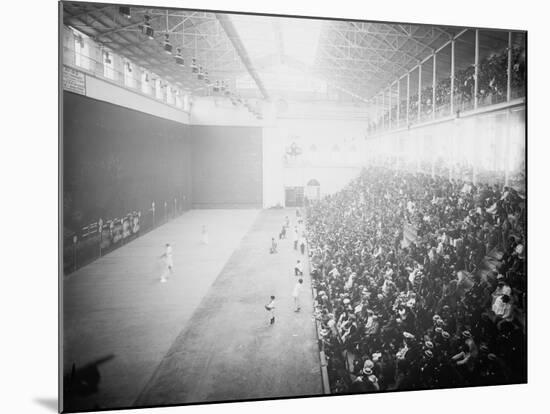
(492, 88)
(420, 282)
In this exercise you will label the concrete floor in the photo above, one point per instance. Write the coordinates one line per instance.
(116, 305)
(204, 335)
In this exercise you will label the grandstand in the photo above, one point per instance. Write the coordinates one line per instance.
(205, 153)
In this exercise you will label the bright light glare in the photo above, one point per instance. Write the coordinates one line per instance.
(300, 39)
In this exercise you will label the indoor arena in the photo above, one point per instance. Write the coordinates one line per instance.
(260, 206)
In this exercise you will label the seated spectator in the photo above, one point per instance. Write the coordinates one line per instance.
(402, 299)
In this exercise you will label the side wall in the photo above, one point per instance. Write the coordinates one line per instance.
(111, 161)
(227, 167)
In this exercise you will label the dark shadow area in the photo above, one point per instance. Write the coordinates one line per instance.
(82, 382)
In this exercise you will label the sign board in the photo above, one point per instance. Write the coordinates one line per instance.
(74, 80)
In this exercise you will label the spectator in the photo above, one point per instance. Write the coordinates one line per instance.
(418, 301)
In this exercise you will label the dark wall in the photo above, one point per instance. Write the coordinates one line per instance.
(227, 167)
(117, 160)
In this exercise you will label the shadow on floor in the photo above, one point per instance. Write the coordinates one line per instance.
(82, 382)
(49, 403)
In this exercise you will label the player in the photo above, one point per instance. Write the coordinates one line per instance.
(298, 269)
(167, 256)
(273, 248)
(296, 294)
(270, 307)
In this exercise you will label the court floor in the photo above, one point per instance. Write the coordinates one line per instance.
(203, 335)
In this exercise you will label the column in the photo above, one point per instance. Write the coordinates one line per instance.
(389, 98)
(408, 94)
(398, 101)
(419, 90)
(433, 86)
(509, 70)
(507, 150)
(476, 66)
(452, 75)
(383, 110)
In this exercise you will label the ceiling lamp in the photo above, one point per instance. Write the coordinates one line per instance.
(147, 29)
(200, 75)
(206, 77)
(125, 11)
(216, 87)
(194, 67)
(167, 44)
(179, 57)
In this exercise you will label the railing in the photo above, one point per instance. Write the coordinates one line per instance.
(495, 86)
(97, 239)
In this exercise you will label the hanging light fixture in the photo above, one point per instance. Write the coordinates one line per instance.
(216, 87)
(179, 57)
(167, 44)
(200, 75)
(194, 67)
(206, 77)
(147, 29)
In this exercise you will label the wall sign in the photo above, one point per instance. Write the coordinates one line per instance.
(74, 80)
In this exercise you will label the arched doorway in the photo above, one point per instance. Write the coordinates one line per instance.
(313, 190)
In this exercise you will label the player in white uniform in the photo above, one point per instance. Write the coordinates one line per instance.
(168, 261)
(270, 307)
(296, 294)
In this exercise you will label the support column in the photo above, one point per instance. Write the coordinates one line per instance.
(398, 102)
(452, 75)
(476, 68)
(507, 150)
(389, 112)
(383, 110)
(509, 70)
(433, 85)
(408, 94)
(419, 91)
(377, 111)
